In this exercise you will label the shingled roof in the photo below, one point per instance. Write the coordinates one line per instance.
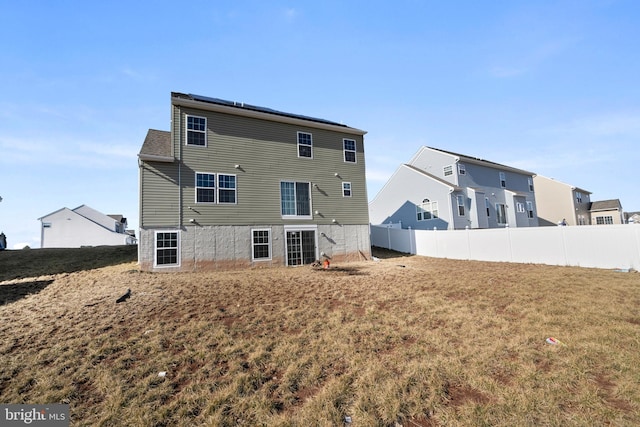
(606, 205)
(156, 146)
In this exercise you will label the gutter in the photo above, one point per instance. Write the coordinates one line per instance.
(155, 158)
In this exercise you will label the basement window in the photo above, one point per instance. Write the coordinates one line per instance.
(167, 248)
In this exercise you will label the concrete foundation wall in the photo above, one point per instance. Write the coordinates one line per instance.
(225, 247)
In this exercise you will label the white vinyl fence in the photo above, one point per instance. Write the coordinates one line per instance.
(598, 246)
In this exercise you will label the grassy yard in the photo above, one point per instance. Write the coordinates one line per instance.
(408, 341)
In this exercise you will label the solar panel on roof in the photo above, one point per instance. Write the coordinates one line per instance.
(260, 109)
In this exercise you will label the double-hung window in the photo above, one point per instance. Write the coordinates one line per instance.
(208, 192)
(349, 147)
(226, 188)
(530, 181)
(261, 244)
(205, 187)
(460, 199)
(166, 253)
(462, 170)
(305, 145)
(503, 180)
(295, 199)
(578, 197)
(530, 209)
(196, 131)
(427, 210)
(487, 205)
(346, 189)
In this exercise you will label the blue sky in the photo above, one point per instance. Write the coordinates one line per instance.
(546, 86)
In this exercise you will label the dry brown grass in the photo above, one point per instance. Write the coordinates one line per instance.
(409, 340)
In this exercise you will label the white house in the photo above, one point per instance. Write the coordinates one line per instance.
(83, 226)
(445, 190)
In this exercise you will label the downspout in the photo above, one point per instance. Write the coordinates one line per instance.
(141, 207)
(179, 168)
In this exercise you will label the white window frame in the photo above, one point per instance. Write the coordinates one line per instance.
(487, 205)
(462, 170)
(503, 179)
(310, 145)
(604, 220)
(501, 213)
(187, 130)
(345, 151)
(254, 244)
(427, 208)
(214, 188)
(447, 170)
(234, 189)
(530, 182)
(530, 209)
(578, 197)
(460, 201)
(346, 187)
(296, 216)
(520, 207)
(155, 249)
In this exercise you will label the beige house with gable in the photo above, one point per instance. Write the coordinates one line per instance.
(557, 201)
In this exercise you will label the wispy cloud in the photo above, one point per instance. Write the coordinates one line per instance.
(290, 14)
(63, 151)
(527, 59)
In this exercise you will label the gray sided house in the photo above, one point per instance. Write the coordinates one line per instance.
(235, 185)
(445, 190)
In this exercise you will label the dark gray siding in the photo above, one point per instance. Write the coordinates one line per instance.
(267, 153)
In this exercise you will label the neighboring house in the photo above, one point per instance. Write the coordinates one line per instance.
(83, 226)
(445, 190)
(606, 212)
(632, 217)
(557, 201)
(235, 185)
